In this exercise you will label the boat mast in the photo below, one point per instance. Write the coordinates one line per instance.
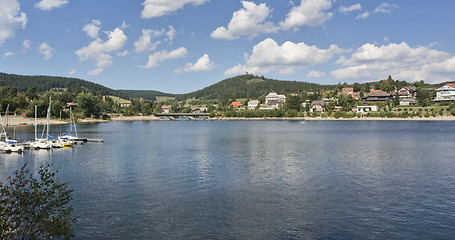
(48, 117)
(36, 125)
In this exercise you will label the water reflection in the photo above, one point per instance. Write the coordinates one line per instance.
(260, 180)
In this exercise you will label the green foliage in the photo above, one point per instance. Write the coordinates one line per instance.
(423, 97)
(293, 102)
(88, 104)
(35, 208)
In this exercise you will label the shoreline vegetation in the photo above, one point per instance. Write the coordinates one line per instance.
(24, 121)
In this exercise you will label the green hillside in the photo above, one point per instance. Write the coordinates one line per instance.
(45, 83)
(251, 86)
(147, 94)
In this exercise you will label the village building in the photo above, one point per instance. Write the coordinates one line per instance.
(445, 93)
(366, 109)
(407, 96)
(378, 96)
(252, 104)
(273, 100)
(237, 105)
(318, 106)
(349, 92)
(124, 103)
(165, 109)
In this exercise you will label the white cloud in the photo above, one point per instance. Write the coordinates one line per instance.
(248, 21)
(49, 4)
(315, 74)
(8, 54)
(370, 62)
(93, 28)
(268, 56)
(122, 54)
(202, 64)
(73, 71)
(124, 25)
(364, 15)
(26, 44)
(381, 8)
(46, 50)
(352, 8)
(158, 8)
(10, 18)
(155, 59)
(144, 43)
(310, 12)
(385, 8)
(100, 51)
(171, 33)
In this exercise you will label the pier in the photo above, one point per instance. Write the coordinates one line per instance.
(190, 116)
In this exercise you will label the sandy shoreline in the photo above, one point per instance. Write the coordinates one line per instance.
(24, 121)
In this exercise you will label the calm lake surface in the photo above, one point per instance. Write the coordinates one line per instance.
(258, 179)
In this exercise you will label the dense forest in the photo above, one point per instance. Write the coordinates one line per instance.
(42, 84)
(251, 86)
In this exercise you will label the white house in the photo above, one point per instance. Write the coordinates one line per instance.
(445, 93)
(252, 104)
(274, 100)
(365, 109)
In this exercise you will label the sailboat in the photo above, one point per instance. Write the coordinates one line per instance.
(7, 144)
(70, 136)
(41, 143)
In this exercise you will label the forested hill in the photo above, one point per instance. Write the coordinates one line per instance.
(147, 94)
(45, 83)
(250, 86)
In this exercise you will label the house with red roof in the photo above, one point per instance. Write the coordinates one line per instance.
(237, 105)
(165, 109)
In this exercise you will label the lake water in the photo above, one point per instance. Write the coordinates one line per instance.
(258, 179)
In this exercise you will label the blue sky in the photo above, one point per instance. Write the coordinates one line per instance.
(179, 46)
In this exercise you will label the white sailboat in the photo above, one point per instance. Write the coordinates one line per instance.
(41, 143)
(72, 134)
(7, 144)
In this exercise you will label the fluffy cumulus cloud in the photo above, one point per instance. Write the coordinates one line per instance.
(346, 10)
(100, 51)
(49, 4)
(92, 28)
(249, 21)
(46, 51)
(310, 12)
(145, 43)
(158, 8)
(11, 18)
(267, 56)
(158, 57)
(202, 64)
(399, 60)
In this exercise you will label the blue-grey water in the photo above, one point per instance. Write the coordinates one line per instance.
(258, 179)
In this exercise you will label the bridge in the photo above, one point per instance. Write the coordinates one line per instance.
(191, 116)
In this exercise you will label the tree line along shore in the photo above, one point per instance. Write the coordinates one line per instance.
(384, 99)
